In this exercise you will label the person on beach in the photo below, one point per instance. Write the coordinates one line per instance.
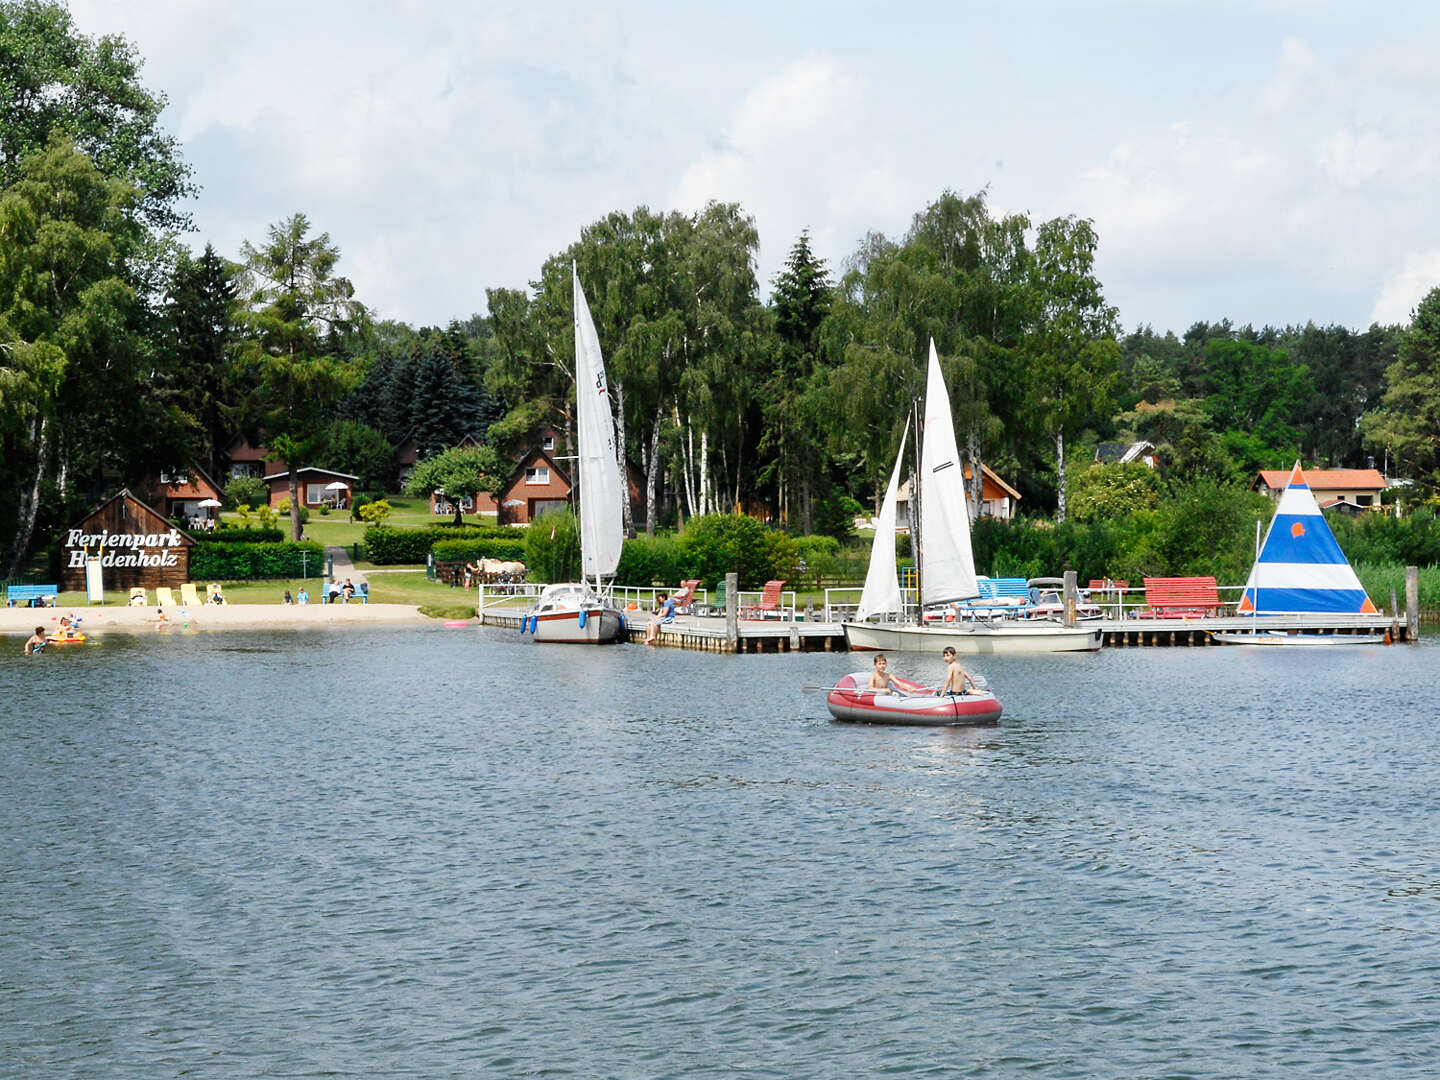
(288, 598)
(161, 621)
(303, 596)
(955, 676)
(347, 590)
(881, 679)
(36, 641)
(664, 612)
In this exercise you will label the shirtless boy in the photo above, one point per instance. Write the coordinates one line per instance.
(880, 679)
(955, 676)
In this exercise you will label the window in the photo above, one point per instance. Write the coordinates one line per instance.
(538, 475)
(315, 494)
(547, 443)
(1365, 500)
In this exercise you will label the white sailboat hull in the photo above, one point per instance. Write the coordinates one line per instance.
(602, 626)
(1295, 638)
(974, 639)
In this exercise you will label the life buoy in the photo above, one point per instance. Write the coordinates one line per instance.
(583, 614)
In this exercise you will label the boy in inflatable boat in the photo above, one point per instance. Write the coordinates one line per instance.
(956, 678)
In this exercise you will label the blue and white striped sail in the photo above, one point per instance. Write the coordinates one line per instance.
(1300, 568)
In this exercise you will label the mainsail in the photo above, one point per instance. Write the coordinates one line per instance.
(602, 521)
(1300, 568)
(947, 571)
(882, 588)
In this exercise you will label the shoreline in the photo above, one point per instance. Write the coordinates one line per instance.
(98, 620)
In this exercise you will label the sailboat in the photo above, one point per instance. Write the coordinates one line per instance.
(1300, 570)
(944, 557)
(582, 612)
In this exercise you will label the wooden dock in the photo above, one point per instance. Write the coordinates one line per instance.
(708, 633)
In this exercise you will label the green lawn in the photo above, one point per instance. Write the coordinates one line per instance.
(335, 529)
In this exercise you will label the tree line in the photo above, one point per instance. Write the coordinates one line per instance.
(124, 354)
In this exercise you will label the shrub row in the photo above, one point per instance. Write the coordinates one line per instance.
(387, 546)
(252, 562)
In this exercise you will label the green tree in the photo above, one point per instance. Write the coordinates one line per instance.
(458, 472)
(56, 81)
(1256, 391)
(1407, 423)
(353, 447)
(1111, 492)
(792, 439)
(203, 318)
(301, 317)
(68, 316)
(1074, 358)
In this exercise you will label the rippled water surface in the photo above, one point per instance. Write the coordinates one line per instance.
(455, 853)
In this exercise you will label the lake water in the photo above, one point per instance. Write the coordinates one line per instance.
(446, 853)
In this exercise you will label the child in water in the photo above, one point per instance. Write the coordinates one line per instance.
(36, 642)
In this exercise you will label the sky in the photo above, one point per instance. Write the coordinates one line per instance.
(1271, 162)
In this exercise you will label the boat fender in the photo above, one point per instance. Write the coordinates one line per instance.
(582, 618)
(624, 629)
(534, 623)
(524, 623)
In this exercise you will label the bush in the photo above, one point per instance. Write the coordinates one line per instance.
(552, 547)
(389, 546)
(372, 511)
(716, 544)
(253, 562)
(648, 559)
(246, 491)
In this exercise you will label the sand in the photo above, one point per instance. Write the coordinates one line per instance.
(99, 620)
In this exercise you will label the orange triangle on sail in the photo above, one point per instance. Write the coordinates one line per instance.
(1297, 477)
(1368, 608)
(1244, 605)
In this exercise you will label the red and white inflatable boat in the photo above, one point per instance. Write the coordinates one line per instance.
(849, 701)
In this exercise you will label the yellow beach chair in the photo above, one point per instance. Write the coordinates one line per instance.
(163, 597)
(215, 594)
(137, 597)
(188, 596)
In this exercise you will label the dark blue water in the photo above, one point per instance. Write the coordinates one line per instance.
(453, 853)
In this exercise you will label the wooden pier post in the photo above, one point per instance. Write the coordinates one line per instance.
(1412, 603)
(1070, 598)
(732, 612)
(480, 604)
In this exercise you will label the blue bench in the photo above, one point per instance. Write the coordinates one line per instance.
(362, 595)
(1004, 596)
(31, 595)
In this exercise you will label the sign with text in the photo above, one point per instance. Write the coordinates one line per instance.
(117, 549)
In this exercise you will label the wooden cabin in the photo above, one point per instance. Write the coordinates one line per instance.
(135, 545)
(316, 487)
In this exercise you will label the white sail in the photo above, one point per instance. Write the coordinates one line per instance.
(602, 521)
(947, 567)
(882, 587)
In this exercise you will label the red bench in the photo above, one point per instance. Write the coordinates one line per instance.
(1181, 598)
(769, 601)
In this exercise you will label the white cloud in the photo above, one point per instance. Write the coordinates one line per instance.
(803, 150)
(1298, 80)
(1405, 287)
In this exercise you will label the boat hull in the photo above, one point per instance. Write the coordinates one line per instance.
(603, 626)
(849, 703)
(974, 639)
(1295, 639)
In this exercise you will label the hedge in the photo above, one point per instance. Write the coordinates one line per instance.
(240, 536)
(509, 549)
(252, 562)
(388, 546)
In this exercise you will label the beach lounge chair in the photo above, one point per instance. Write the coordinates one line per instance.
(163, 597)
(214, 594)
(769, 601)
(137, 597)
(685, 598)
(188, 596)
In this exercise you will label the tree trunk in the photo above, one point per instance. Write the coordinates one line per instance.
(1060, 472)
(977, 475)
(628, 511)
(294, 504)
(704, 472)
(652, 471)
(807, 506)
(30, 501)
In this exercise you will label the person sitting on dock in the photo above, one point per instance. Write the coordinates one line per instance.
(955, 676)
(664, 613)
(881, 679)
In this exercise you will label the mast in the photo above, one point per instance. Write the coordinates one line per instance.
(915, 511)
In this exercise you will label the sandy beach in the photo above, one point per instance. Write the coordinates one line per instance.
(96, 620)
